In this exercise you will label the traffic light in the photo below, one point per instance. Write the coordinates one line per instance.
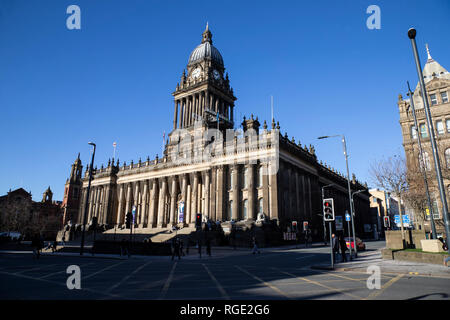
(128, 220)
(294, 226)
(386, 222)
(328, 209)
(198, 220)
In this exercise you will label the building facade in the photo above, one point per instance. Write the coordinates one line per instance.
(244, 175)
(437, 82)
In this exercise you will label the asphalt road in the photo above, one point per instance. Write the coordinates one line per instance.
(274, 274)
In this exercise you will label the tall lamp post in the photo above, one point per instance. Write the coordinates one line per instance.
(87, 199)
(422, 162)
(353, 224)
(437, 163)
(348, 179)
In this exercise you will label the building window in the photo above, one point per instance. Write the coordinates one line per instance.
(245, 210)
(447, 124)
(444, 97)
(426, 160)
(440, 127)
(447, 157)
(413, 132)
(433, 99)
(423, 131)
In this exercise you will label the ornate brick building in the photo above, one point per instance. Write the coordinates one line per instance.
(437, 82)
(209, 167)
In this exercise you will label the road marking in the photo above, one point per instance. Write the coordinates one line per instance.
(320, 284)
(263, 282)
(221, 289)
(29, 270)
(59, 283)
(376, 293)
(127, 277)
(102, 270)
(63, 271)
(167, 284)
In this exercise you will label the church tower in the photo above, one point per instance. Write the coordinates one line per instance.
(204, 90)
(72, 191)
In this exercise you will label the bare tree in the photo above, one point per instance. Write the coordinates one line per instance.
(390, 174)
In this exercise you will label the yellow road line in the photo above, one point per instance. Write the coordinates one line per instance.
(320, 284)
(384, 287)
(221, 289)
(264, 282)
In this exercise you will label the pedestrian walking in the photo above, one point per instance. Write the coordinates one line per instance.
(35, 244)
(335, 244)
(343, 247)
(255, 246)
(175, 248)
(124, 248)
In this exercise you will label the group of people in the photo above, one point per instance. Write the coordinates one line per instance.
(178, 247)
(339, 246)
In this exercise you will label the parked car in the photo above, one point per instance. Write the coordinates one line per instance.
(361, 246)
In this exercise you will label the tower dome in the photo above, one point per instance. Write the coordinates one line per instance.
(206, 50)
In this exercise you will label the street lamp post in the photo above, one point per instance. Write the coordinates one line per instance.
(348, 181)
(437, 164)
(422, 162)
(353, 224)
(87, 198)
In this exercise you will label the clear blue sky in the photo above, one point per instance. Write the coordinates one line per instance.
(112, 80)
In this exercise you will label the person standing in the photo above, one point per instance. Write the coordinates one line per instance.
(208, 247)
(343, 247)
(335, 244)
(176, 248)
(255, 245)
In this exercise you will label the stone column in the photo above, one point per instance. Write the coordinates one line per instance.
(143, 218)
(188, 205)
(251, 192)
(91, 203)
(136, 200)
(194, 196)
(119, 219)
(273, 187)
(213, 194)
(184, 196)
(153, 203)
(182, 105)
(173, 201)
(175, 115)
(128, 199)
(220, 212)
(206, 186)
(265, 185)
(106, 205)
(162, 196)
(235, 192)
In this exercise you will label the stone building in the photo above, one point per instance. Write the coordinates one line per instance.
(18, 212)
(244, 175)
(437, 82)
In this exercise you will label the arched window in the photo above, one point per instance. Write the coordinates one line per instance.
(245, 210)
(447, 157)
(423, 131)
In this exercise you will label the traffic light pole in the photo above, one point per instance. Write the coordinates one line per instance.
(331, 245)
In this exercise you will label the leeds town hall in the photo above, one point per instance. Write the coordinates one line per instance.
(247, 174)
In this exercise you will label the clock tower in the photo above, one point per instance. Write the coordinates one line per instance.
(204, 90)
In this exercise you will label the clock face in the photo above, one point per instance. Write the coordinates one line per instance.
(216, 74)
(196, 73)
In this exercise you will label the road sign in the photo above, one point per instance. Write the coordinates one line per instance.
(347, 216)
(339, 223)
(405, 218)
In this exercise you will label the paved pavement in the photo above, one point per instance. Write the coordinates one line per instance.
(276, 273)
